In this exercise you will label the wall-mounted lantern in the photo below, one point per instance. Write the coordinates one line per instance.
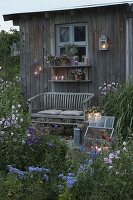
(103, 43)
(15, 49)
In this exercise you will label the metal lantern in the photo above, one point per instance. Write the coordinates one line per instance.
(15, 49)
(103, 43)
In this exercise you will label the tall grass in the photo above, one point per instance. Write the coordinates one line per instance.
(119, 103)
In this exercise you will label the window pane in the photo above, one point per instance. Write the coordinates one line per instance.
(62, 51)
(81, 52)
(79, 33)
(64, 34)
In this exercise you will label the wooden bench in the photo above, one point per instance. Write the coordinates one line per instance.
(59, 108)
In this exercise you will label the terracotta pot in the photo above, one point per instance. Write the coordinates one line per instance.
(79, 77)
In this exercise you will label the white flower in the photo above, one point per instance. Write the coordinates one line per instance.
(12, 133)
(21, 120)
(124, 143)
(13, 117)
(124, 149)
(110, 167)
(3, 119)
(117, 157)
(2, 132)
(118, 152)
(14, 122)
(28, 135)
(113, 83)
(1, 122)
(16, 111)
(13, 107)
(17, 114)
(23, 141)
(19, 105)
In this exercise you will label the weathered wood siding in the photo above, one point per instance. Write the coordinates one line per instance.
(38, 40)
(129, 48)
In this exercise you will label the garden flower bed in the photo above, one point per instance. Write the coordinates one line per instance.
(35, 164)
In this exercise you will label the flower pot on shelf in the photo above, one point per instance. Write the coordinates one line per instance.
(64, 63)
(79, 77)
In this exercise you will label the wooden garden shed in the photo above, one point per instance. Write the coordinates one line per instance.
(102, 30)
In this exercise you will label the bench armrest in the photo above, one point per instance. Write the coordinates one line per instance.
(32, 100)
(86, 101)
(34, 97)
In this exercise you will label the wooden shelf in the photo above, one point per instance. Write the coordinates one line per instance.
(62, 78)
(70, 81)
(71, 66)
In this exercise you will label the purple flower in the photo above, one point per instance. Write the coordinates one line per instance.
(31, 130)
(94, 153)
(38, 169)
(31, 141)
(71, 181)
(55, 125)
(71, 174)
(42, 129)
(50, 145)
(16, 171)
(7, 124)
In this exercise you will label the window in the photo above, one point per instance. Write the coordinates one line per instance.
(72, 34)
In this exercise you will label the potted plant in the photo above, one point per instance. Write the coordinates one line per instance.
(79, 73)
(63, 59)
(71, 50)
(50, 59)
(57, 60)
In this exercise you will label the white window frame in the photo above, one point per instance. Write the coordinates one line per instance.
(71, 35)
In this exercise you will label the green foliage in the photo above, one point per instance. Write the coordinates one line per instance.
(10, 65)
(47, 152)
(70, 50)
(14, 120)
(32, 187)
(23, 145)
(102, 180)
(119, 103)
(11, 95)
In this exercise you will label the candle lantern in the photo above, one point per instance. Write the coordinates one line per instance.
(103, 43)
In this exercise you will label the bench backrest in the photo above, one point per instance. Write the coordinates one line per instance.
(72, 101)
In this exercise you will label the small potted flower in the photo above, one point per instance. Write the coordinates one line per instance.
(50, 59)
(63, 60)
(79, 73)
